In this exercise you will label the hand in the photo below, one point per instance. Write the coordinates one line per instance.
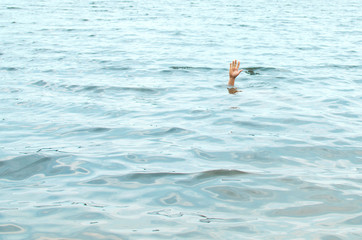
(234, 72)
(234, 69)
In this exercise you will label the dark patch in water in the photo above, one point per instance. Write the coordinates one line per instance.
(98, 129)
(181, 67)
(115, 68)
(147, 178)
(257, 70)
(40, 83)
(251, 72)
(219, 173)
(139, 89)
(10, 69)
(90, 130)
(13, 8)
(176, 130)
(90, 88)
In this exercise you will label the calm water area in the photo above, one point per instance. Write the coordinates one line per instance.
(116, 121)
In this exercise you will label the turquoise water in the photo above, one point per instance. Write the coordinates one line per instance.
(116, 122)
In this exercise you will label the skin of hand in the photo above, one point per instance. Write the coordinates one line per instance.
(234, 72)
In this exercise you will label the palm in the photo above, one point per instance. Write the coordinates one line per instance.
(234, 69)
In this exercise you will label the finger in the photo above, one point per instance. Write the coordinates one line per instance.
(231, 66)
(238, 65)
(240, 71)
(235, 63)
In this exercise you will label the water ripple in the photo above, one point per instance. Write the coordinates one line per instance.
(179, 178)
(23, 167)
(116, 121)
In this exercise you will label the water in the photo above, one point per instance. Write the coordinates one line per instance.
(116, 122)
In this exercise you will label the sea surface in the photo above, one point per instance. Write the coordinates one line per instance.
(116, 121)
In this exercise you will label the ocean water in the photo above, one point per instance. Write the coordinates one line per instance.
(116, 121)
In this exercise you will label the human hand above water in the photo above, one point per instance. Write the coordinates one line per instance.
(234, 72)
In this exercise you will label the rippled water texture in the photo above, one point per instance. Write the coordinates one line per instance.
(116, 122)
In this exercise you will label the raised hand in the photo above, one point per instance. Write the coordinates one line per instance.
(234, 72)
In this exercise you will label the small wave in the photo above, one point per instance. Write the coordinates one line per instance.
(23, 167)
(162, 131)
(354, 221)
(92, 88)
(9, 69)
(100, 10)
(228, 193)
(339, 66)
(13, 8)
(150, 159)
(115, 68)
(137, 89)
(10, 229)
(191, 68)
(89, 130)
(250, 125)
(99, 89)
(316, 210)
(83, 88)
(95, 88)
(258, 126)
(342, 66)
(40, 83)
(167, 213)
(42, 50)
(154, 177)
(95, 130)
(220, 173)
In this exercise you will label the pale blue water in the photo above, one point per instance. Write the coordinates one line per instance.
(116, 122)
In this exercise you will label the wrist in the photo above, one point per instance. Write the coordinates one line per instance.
(231, 81)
